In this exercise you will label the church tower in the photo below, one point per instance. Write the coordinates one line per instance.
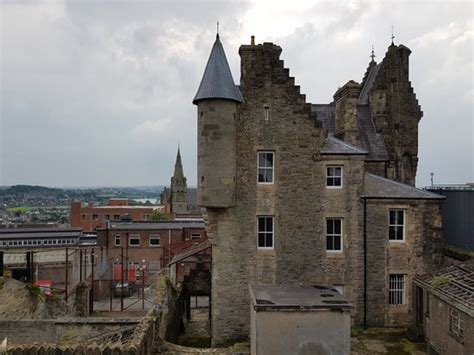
(178, 188)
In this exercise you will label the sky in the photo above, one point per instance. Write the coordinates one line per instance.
(99, 93)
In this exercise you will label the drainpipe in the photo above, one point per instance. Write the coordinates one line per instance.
(365, 262)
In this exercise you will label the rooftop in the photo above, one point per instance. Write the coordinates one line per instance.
(378, 187)
(151, 225)
(21, 233)
(455, 285)
(289, 297)
(217, 81)
(334, 146)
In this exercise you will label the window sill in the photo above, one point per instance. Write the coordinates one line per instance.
(334, 253)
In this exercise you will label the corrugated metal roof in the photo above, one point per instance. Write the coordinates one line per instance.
(334, 146)
(217, 81)
(379, 187)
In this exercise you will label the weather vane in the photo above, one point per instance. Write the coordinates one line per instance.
(392, 35)
(218, 28)
(373, 54)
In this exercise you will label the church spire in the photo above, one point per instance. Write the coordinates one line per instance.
(178, 167)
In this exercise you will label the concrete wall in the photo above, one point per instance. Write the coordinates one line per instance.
(321, 332)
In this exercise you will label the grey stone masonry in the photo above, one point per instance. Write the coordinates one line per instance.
(274, 117)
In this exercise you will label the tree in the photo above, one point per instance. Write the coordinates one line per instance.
(157, 216)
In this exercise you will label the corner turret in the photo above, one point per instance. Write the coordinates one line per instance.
(217, 100)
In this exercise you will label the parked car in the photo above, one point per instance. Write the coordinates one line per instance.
(127, 290)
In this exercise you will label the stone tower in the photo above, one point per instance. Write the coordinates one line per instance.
(217, 100)
(178, 187)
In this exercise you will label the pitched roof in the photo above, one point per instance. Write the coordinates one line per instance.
(369, 138)
(334, 146)
(379, 187)
(217, 81)
(371, 141)
(454, 284)
(368, 84)
(156, 225)
(193, 250)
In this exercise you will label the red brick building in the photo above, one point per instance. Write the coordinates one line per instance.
(90, 217)
(152, 243)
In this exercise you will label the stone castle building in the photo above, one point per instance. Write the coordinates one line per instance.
(304, 194)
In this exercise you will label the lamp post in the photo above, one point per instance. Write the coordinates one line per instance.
(143, 283)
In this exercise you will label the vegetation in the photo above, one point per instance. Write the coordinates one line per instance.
(158, 216)
(438, 281)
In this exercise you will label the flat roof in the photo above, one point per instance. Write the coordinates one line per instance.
(289, 297)
(151, 225)
(22, 233)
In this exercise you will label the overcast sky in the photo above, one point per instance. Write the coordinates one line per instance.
(98, 93)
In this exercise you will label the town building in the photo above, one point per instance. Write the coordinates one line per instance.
(443, 309)
(180, 201)
(302, 194)
(152, 243)
(56, 255)
(90, 217)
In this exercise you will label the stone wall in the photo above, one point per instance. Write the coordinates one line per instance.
(81, 336)
(421, 252)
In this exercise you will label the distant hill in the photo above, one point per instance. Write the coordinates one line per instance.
(26, 189)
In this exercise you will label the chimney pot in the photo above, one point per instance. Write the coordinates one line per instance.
(252, 40)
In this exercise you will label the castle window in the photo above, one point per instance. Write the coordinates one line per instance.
(396, 289)
(265, 232)
(456, 324)
(155, 240)
(266, 113)
(396, 226)
(134, 240)
(334, 177)
(117, 240)
(334, 234)
(265, 167)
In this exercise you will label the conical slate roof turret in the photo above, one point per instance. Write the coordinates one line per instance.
(217, 81)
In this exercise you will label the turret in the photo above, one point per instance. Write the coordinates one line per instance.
(217, 100)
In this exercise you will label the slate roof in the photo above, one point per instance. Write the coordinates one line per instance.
(454, 285)
(334, 146)
(371, 141)
(217, 81)
(379, 187)
(368, 84)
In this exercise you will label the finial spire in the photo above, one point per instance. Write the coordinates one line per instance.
(393, 36)
(217, 34)
(372, 55)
